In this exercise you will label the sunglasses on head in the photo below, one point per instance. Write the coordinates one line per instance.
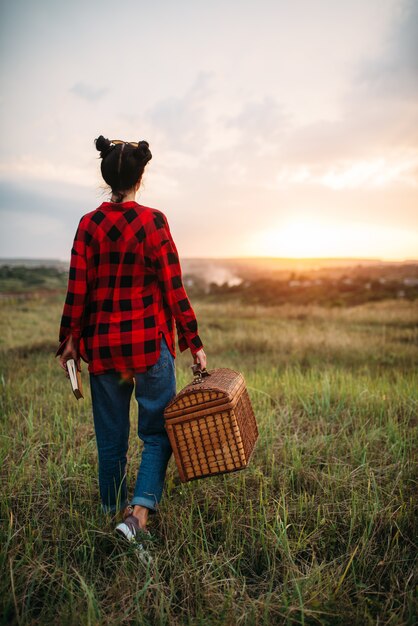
(119, 141)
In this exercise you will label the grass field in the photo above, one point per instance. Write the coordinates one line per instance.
(320, 529)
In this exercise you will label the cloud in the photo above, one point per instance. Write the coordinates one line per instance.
(182, 119)
(395, 73)
(367, 174)
(261, 121)
(41, 221)
(42, 169)
(233, 150)
(88, 92)
(50, 199)
(373, 143)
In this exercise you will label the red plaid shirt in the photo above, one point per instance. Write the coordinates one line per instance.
(124, 289)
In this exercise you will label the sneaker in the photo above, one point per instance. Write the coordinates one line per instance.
(131, 530)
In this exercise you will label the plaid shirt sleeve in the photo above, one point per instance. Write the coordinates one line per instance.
(71, 320)
(162, 250)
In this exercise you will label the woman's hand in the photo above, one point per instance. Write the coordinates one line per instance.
(200, 357)
(70, 352)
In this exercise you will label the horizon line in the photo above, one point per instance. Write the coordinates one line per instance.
(239, 258)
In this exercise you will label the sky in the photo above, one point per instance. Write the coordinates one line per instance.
(277, 128)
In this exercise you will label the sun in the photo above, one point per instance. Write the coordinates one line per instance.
(308, 238)
(298, 239)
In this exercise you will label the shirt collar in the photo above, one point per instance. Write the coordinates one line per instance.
(117, 206)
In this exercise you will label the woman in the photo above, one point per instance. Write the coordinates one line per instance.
(125, 290)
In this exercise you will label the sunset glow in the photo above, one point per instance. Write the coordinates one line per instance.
(304, 144)
(305, 238)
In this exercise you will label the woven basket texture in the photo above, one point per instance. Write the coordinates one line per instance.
(211, 425)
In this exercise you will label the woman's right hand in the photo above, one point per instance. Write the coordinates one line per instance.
(200, 357)
(70, 352)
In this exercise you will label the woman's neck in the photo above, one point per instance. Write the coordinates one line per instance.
(128, 197)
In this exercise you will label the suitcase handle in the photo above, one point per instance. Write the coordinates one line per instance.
(198, 373)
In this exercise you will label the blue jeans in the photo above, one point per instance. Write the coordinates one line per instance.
(111, 396)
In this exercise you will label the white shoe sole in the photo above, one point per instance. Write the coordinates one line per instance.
(126, 531)
(123, 529)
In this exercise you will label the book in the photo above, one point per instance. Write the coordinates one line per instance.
(75, 378)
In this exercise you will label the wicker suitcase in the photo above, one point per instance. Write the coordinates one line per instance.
(211, 425)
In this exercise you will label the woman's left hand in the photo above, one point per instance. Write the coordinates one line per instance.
(70, 352)
(200, 357)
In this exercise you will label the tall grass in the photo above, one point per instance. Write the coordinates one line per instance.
(320, 529)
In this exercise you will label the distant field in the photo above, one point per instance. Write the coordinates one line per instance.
(320, 529)
(269, 282)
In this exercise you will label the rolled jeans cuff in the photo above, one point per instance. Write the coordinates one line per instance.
(151, 504)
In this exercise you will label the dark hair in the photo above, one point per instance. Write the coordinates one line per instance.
(122, 163)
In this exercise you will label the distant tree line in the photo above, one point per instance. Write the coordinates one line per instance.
(325, 292)
(344, 290)
(19, 278)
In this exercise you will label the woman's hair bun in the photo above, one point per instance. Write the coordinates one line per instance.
(102, 145)
(142, 152)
